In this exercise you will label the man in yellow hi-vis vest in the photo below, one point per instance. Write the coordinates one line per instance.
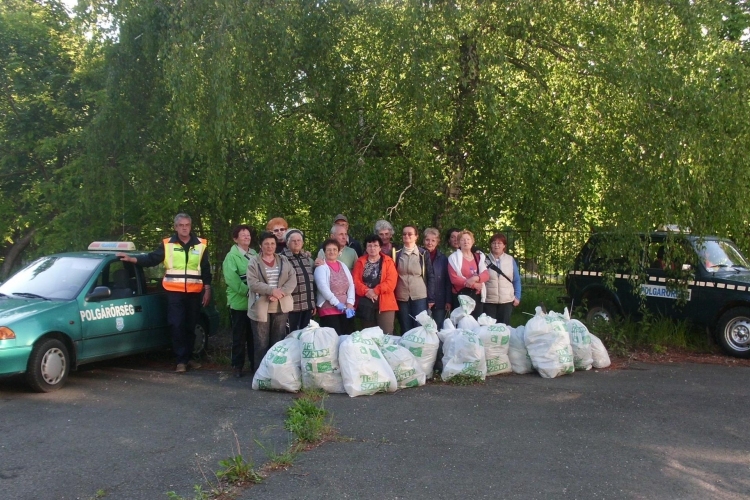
(187, 276)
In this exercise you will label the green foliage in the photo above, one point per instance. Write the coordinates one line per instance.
(621, 336)
(531, 297)
(306, 419)
(552, 115)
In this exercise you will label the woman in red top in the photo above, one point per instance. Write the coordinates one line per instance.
(468, 272)
(375, 278)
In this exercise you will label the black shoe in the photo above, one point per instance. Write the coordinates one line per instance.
(237, 372)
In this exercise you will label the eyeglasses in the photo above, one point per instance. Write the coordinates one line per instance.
(279, 230)
(408, 234)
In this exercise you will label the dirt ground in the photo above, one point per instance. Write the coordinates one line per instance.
(675, 355)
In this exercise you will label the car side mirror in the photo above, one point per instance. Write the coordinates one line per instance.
(100, 292)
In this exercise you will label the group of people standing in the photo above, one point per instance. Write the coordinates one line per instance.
(281, 288)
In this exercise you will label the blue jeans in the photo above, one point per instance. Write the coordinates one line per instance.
(439, 314)
(409, 309)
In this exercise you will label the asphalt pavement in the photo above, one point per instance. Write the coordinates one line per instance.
(649, 431)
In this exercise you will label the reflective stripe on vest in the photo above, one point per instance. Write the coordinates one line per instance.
(183, 272)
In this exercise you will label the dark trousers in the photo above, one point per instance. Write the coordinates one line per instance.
(266, 334)
(501, 312)
(242, 339)
(384, 320)
(338, 322)
(299, 320)
(182, 316)
(407, 311)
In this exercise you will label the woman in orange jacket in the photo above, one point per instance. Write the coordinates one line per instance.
(375, 277)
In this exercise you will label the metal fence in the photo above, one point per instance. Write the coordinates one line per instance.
(544, 257)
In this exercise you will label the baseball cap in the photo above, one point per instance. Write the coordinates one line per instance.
(340, 217)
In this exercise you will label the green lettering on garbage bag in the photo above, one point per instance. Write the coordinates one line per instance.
(404, 374)
(264, 383)
(325, 367)
(413, 383)
(374, 353)
(278, 360)
(416, 351)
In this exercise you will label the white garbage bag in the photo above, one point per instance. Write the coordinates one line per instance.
(549, 345)
(580, 341)
(520, 362)
(463, 354)
(374, 332)
(423, 342)
(461, 316)
(496, 340)
(320, 358)
(390, 340)
(599, 353)
(405, 366)
(363, 367)
(280, 369)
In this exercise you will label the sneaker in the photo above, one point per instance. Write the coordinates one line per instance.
(181, 368)
(193, 365)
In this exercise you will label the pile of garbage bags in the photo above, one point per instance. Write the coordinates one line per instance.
(368, 361)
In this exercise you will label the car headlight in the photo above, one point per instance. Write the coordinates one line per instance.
(6, 333)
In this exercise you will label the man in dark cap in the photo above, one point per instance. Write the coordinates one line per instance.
(341, 220)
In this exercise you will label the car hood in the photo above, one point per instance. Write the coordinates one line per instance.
(14, 309)
(733, 277)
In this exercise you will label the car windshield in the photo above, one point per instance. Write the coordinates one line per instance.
(51, 278)
(718, 255)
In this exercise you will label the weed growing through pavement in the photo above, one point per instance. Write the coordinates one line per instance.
(199, 494)
(280, 460)
(306, 420)
(236, 470)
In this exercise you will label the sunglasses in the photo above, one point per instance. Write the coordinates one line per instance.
(279, 230)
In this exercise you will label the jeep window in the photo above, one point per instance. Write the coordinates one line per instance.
(612, 254)
(717, 255)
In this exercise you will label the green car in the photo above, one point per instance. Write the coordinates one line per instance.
(68, 309)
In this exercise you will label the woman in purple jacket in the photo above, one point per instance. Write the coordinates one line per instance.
(442, 305)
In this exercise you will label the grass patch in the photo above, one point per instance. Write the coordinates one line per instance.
(532, 296)
(306, 419)
(464, 380)
(657, 334)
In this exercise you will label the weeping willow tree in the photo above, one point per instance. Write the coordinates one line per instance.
(532, 115)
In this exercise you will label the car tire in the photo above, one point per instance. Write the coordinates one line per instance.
(733, 332)
(201, 338)
(49, 365)
(600, 309)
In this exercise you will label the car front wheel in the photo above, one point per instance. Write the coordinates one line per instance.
(733, 332)
(48, 367)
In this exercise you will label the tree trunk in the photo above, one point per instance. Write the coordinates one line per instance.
(15, 251)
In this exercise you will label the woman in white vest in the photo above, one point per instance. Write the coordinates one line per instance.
(504, 285)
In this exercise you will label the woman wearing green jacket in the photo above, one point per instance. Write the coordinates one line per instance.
(235, 267)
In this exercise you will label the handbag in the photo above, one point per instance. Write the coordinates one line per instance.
(367, 310)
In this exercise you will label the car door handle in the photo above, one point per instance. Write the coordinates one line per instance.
(138, 309)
